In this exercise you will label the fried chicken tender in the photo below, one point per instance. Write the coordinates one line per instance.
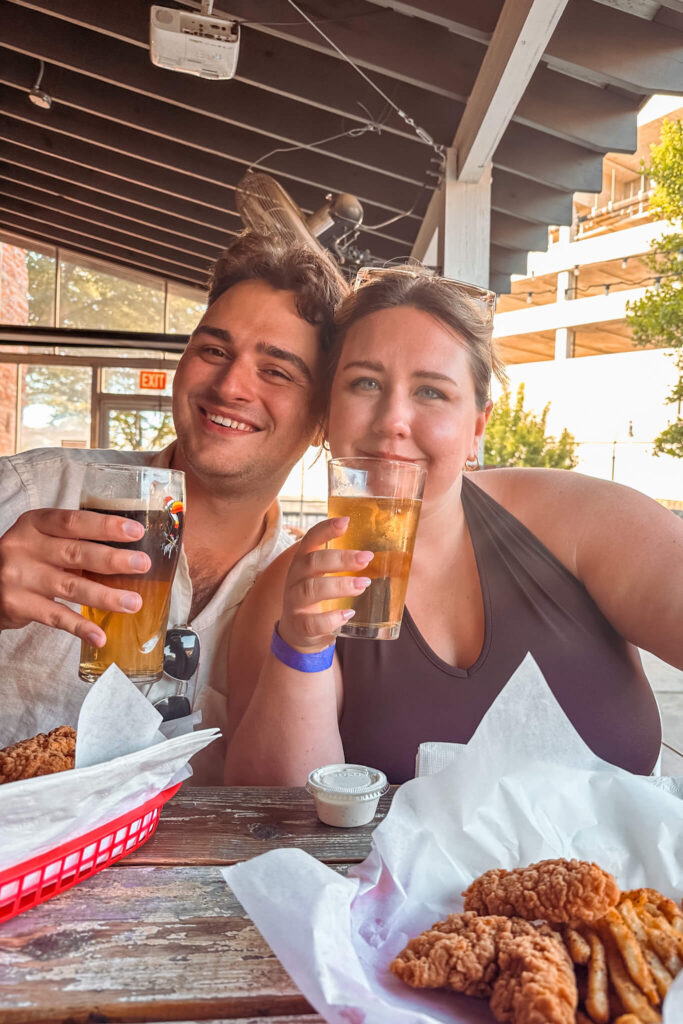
(559, 891)
(524, 969)
(40, 755)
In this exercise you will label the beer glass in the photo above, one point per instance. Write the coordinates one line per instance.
(382, 498)
(154, 497)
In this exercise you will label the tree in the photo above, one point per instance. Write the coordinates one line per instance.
(657, 318)
(41, 288)
(517, 437)
(65, 391)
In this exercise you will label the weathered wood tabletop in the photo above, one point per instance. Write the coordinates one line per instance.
(159, 936)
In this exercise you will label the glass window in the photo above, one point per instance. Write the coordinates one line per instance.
(92, 297)
(139, 430)
(27, 284)
(185, 308)
(122, 380)
(55, 407)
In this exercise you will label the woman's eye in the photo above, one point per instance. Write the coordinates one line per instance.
(427, 392)
(365, 384)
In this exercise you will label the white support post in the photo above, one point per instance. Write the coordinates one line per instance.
(464, 231)
(564, 336)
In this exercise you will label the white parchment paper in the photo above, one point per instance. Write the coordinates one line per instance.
(122, 760)
(525, 787)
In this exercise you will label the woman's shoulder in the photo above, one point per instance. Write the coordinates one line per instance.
(517, 489)
(568, 511)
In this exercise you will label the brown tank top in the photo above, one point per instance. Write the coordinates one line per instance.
(399, 693)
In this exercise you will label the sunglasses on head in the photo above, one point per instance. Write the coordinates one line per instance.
(181, 660)
(484, 297)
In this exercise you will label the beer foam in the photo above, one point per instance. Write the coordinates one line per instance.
(97, 503)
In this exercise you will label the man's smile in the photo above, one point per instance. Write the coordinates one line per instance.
(228, 422)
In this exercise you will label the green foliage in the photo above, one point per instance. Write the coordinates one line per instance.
(140, 430)
(517, 437)
(66, 390)
(93, 299)
(41, 288)
(666, 167)
(657, 318)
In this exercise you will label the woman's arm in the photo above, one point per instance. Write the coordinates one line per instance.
(626, 549)
(284, 722)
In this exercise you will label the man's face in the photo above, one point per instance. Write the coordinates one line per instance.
(247, 391)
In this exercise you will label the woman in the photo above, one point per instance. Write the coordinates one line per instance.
(576, 570)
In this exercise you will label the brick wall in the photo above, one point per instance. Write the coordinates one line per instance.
(13, 285)
(13, 310)
(8, 407)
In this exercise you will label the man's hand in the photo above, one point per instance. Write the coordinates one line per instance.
(43, 556)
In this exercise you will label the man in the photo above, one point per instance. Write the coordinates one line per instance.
(248, 399)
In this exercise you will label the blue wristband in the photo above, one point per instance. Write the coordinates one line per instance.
(316, 661)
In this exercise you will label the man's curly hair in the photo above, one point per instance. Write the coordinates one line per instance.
(315, 280)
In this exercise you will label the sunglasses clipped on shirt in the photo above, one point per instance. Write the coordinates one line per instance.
(181, 661)
(483, 297)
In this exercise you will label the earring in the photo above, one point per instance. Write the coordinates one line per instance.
(471, 464)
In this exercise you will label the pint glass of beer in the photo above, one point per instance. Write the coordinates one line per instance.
(154, 497)
(382, 498)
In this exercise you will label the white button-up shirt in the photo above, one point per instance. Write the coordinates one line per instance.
(39, 683)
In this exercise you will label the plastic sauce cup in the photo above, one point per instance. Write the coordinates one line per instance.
(346, 795)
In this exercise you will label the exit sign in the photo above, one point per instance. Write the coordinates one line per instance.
(152, 380)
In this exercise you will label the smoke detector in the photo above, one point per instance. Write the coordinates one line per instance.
(197, 44)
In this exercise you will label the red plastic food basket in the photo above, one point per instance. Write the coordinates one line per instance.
(25, 885)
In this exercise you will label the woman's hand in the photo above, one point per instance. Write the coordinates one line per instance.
(43, 556)
(303, 623)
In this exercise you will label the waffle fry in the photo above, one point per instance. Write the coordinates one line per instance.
(632, 955)
(597, 999)
(635, 952)
(577, 947)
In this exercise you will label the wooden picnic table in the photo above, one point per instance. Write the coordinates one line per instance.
(159, 936)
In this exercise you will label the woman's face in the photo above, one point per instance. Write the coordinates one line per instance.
(403, 389)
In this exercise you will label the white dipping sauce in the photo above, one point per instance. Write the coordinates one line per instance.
(346, 795)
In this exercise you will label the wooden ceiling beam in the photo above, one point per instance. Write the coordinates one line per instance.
(508, 261)
(44, 232)
(269, 118)
(154, 131)
(102, 192)
(510, 232)
(512, 193)
(126, 173)
(499, 283)
(625, 51)
(274, 66)
(29, 190)
(119, 237)
(557, 163)
(409, 50)
(614, 45)
(162, 152)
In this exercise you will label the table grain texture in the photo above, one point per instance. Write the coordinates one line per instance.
(159, 936)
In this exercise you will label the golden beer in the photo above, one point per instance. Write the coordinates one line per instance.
(135, 641)
(386, 526)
